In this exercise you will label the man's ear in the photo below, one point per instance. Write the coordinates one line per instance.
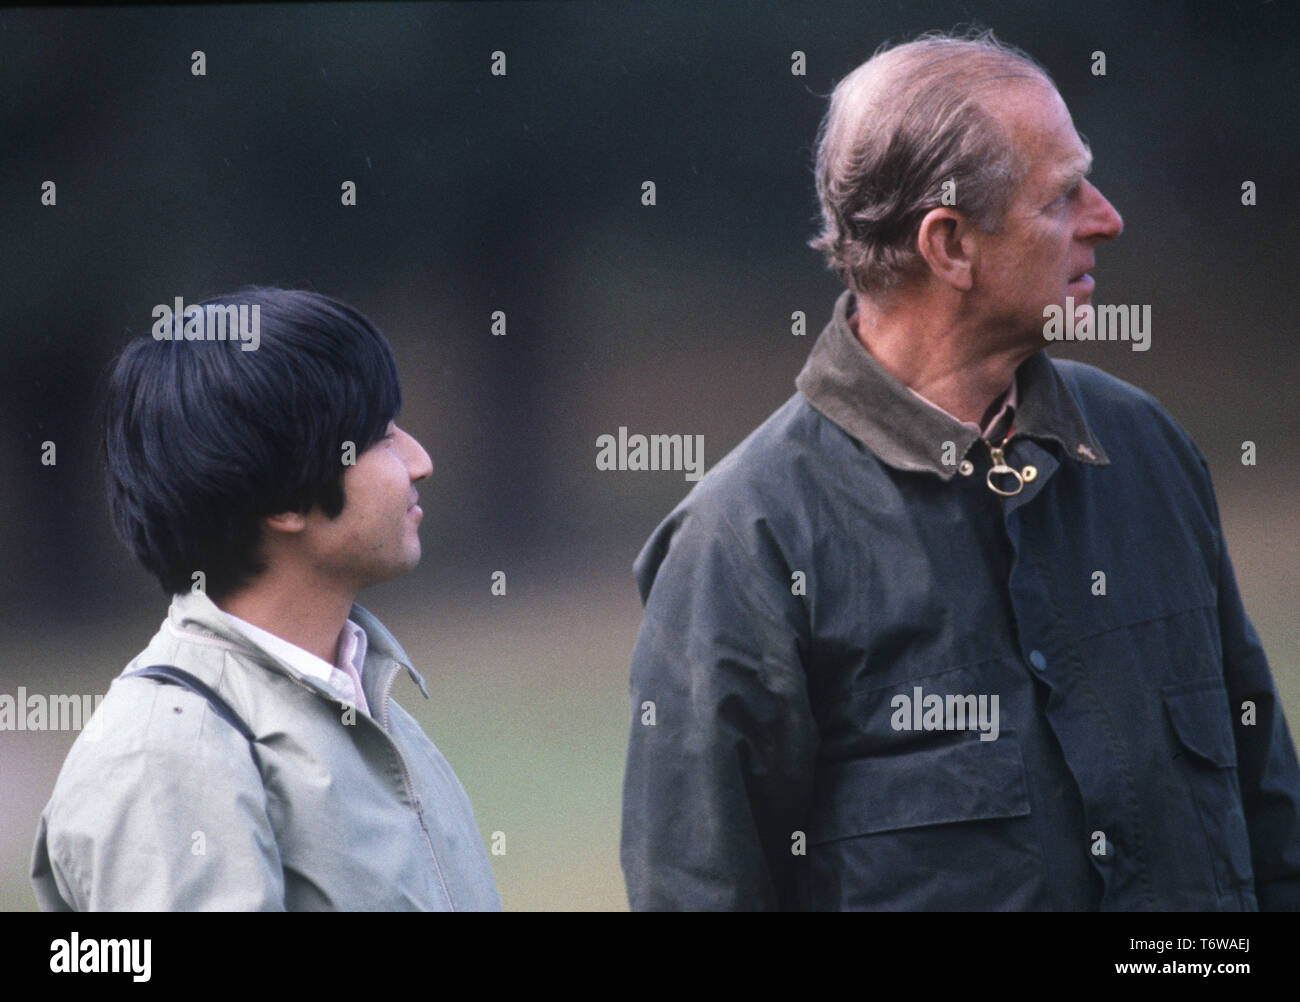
(289, 521)
(946, 241)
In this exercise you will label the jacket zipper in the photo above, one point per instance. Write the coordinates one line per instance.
(401, 764)
(406, 781)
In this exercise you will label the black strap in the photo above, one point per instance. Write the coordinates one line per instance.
(174, 675)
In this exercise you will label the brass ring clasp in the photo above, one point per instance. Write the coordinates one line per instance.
(1003, 470)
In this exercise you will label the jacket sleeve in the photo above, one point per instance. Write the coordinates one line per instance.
(167, 823)
(1266, 758)
(722, 739)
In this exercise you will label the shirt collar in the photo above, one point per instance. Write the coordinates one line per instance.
(998, 425)
(351, 649)
(842, 381)
(193, 609)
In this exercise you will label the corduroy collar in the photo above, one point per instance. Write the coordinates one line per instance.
(848, 386)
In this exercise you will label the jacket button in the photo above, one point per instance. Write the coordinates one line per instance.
(966, 468)
(1037, 659)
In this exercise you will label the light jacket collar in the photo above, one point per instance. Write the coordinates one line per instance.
(847, 385)
(194, 610)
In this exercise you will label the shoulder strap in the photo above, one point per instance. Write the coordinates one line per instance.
(174, 675)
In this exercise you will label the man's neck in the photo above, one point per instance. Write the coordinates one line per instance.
(308, 618)
(949, 365)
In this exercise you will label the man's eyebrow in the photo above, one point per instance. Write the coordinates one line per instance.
(1077, 172)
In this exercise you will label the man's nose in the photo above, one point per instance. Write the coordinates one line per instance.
(1102, 220)
(418, 460)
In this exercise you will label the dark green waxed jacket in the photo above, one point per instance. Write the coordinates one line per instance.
(864, 680)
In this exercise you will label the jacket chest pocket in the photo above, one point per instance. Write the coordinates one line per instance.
(940, 827)
(1201, 717)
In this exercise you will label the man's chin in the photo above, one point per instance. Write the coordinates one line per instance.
(391, 571)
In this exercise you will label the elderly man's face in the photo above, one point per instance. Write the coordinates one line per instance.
(1053, 223)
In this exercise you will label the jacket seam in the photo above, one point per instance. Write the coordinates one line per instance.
(1144, 622)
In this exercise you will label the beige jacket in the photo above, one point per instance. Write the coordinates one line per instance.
(161, 806)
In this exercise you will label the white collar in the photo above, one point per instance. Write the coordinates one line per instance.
(352, 641)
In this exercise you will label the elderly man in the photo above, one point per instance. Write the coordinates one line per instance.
(956, 627)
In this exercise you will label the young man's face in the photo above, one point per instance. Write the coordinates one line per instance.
(376, 535)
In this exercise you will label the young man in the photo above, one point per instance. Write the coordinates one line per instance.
(263, 480)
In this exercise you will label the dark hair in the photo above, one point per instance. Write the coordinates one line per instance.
(204, 438)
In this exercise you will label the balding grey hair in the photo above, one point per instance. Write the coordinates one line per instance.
(900, 125)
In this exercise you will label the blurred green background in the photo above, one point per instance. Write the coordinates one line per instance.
(522, 193)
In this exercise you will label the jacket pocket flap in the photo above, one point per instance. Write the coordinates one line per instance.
(1201, 717)
(962, 781)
